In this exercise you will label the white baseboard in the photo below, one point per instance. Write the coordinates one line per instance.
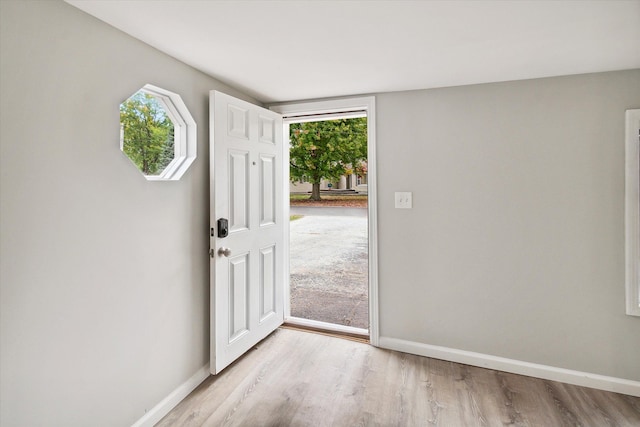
(156, 413)
(585, 379)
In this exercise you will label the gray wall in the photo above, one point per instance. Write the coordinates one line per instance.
(105, 276)
(515, 244)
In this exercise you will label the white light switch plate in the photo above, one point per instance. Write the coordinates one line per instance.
(403, 200)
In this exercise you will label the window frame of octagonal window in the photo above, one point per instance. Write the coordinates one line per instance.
(184, 133)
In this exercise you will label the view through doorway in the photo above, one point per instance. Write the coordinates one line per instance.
(328, 229)
(351, 107)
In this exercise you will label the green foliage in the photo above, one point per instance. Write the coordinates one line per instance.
(147, 133)
(327, 150)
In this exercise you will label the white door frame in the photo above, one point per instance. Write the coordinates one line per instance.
(299, 111)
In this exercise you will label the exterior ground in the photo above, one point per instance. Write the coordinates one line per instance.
(352, 201)
(329, 268)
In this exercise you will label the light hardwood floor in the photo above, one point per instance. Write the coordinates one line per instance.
(296, 378)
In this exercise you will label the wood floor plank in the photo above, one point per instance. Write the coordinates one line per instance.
(295, 378)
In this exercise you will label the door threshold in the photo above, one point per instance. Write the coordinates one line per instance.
(329, 329)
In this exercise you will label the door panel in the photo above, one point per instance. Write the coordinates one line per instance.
(238, 122)
(267, 190)
(239, 296)
(247, 271)
(267, 282)
(267, 129)
(239, 181)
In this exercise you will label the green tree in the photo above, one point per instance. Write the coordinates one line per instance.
(147, 133)
(327, 150)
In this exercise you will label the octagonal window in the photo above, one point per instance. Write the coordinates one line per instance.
(157, 133)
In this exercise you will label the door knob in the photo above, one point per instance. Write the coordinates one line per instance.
(224, 252)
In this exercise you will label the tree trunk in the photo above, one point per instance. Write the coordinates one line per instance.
(315, 192)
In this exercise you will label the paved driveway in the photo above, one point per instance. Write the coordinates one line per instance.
(329, 267)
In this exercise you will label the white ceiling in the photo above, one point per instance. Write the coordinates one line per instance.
(293, 50)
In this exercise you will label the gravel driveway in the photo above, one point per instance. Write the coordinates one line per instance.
(329, 268)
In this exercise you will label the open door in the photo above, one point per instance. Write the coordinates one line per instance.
(247, 253)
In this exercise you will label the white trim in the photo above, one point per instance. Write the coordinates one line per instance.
(286, 213)
(632, 212)
(156, 413)
(329, 116)
(348, 105)
(585, 379)
(324, 106)
(372, 191)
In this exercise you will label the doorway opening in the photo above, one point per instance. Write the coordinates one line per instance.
(328, 229)
(313, 111)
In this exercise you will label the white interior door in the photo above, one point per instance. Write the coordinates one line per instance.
(247, 278)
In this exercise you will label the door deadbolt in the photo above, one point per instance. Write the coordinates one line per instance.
(223, 227)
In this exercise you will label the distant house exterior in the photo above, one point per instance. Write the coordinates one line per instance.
(354, 182)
